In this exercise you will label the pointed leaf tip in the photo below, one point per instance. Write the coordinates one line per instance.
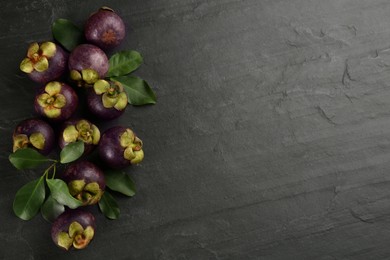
(124, 62)
(60, 192)
(67, 34)
(108, 206)
(29, 199)
(138, 90)
(120, 181)
(72, 152)
(27, 158)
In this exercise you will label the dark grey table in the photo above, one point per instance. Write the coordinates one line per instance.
(270, 138)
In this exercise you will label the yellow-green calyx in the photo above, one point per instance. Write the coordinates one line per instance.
(133, 147)
(38, 57)
(37, 140)
(82, 131)
(88, 194)
(77, 236)
(113, 94)
(52, 100)
(85, 77)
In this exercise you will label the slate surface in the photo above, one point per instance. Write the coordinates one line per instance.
(270, 138)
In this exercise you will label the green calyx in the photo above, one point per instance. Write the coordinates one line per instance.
(36, 140)
(113, 94)
(52, 100)
(83, 131)
(85, 77)
(87, 193)
(77, 236)
(133, 147)
(38, 57)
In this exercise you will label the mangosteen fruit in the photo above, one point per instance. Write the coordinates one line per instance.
(87, 63)
(34, 133)
(85, 182)
(56, 101)
(119, 147)
(79, 130)
(107, 99)
(105, 29)
(44, 62)
(73, 229)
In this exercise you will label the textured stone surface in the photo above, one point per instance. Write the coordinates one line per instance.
(270, 138)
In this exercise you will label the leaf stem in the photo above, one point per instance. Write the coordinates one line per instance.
(52, 166)
(54, 171)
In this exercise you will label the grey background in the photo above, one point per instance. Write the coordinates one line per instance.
(270, 138)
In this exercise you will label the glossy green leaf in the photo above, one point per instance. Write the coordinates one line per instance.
(108, 206)
(60, 192)
(27, 158)
(123, 63)
(138, 90)
(51, 209)
(120, 181)
(67, 34)
(72, 152)
(29, 199)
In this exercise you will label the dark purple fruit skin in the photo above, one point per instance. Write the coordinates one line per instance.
(95, 106)
(88, 148)
(110, 150)
(84, 170)
(88, 56)
(30, 126)
(57, 67)
(68, 110)
(105, 29)
(62, 222)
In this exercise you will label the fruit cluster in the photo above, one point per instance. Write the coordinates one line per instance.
(73, 69)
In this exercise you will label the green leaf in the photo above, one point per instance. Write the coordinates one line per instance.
(72, 152)
(120, 181)
(60, 192)
(67, 34)
(27, 158)
(29, 199)
(124, 62)
(138, 90)
(51, 209)
(108, 206)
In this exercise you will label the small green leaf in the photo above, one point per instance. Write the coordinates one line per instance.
(138, 90)
(124, 62)
(60, 192)
(120, 181)
(67, 34)
(108, 206)
(27, 158)
(72, 152)
(51, 209)
(29, 199)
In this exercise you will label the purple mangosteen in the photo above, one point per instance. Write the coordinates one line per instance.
(34, 133)
(119, 147)
(85, 181)
(73, 228)
(79, 130)
(87, 63)
(107, 99)
(44, 62)
(105, 28)
(56, 101)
